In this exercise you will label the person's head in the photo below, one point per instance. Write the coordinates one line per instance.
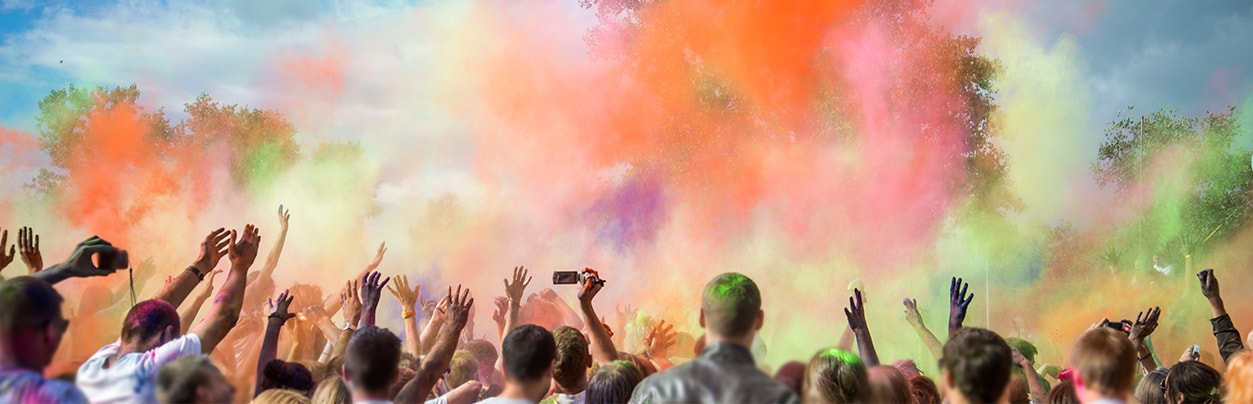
(792, 375)
(371, 360)
(280, 374)
(316, 369)
(192, 379)
(645, 366)
(529, 352)
(31, 325)
(888, 385)
(1238, 381)
(1149, 391)
(1105, 364)
(924, 391)
(1192, 382)
(332, 390)
(836, 376)
(1062, 393)
(573, 359)
(975, 366)
(613, 383)
(730, 309)
(149, 324)
(907, 367)
(485, 354)
(462, 368)
(281, 396)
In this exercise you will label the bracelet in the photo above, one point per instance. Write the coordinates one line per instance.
(407, 314)
(195, 271)
(275, 315)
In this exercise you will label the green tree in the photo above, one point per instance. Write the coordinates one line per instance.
(1194, 171)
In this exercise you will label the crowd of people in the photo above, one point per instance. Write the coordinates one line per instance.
(167, 351)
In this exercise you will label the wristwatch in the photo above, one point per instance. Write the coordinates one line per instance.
(348, 326)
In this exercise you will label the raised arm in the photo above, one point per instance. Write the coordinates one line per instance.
(601, 343)
(212, 249)
(408, 298)
(332, 306)
(224, 313)
(271, 260)
(371, 293)
(6, 259)
(915, 320)
(269, 345)
(958, 302)
(80, 264)
(434, 323)
(187, 316)
(28, 245)
(856, 314)
(1140, 331)
(1224, 331)
(436, 362)
(514, 291)
(1036, 388)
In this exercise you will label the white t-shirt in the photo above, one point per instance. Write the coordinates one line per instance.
(133, 377)
(24, 386)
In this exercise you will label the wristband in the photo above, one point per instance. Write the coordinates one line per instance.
(348, 326)
(407, 314)
(195, 271)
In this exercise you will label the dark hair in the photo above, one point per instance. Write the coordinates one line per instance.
(279, 374)
(792, 375)
(924, 391)
(148, 319)
(463, 368)
(573, 358)
(1149, 391)
(613, 383)
(1062, 393)
(980, 363)
(1196, 381)
(731, 303)
(888, 385)
(529, 352)
(178, 380)
(1018, 392)
(372, 358)
(836, 376)
(27, 303)
(1105, 361)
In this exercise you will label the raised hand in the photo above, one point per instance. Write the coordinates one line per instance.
(515, 289)
(1209, 284)
(1190, 354)
(407, 297)
(243, 250)
(5, 260)
(110, 259)
(911, 313)
(372, 289)
(659, 340)
(28, 244)
(502, 307)
(1019, 359)
(280, 308)
(351, 303)
(212, 249)
(958, 303)
(378, 258)
(856, 312)
(459, 305)
(283, 216)
(590, 287)
(1144, 324)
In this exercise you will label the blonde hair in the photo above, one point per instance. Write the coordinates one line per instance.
(281, 396)
(1238, 382)
(332, 390)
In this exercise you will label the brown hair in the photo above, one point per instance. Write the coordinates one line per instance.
(888, 385)
(924, 390)
(463, 368)
(1105, 360)
(836, 376)
(573, 357)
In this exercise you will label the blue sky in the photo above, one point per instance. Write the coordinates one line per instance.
(1153, 54)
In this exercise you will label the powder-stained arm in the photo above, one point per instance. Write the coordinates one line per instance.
(187, 316)
(224, 313)
(436, 362)
(958, 302)
(212, 249)
(856, 314)
(269, 344)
